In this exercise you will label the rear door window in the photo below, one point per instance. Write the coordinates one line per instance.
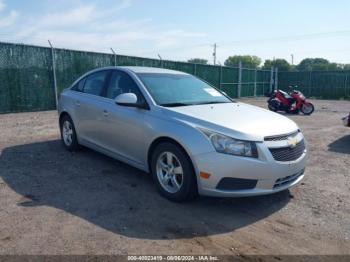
(94, 83)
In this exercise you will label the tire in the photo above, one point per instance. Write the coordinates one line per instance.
(307, 108)
(68, 134)
(167, 162)
(273, 106)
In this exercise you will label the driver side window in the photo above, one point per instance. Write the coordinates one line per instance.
(121, 83)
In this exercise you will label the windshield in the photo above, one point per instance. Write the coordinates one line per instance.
(180, 90)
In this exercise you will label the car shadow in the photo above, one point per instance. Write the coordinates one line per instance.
(119, 198)
(342, 145)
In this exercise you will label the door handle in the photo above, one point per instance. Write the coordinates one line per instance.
(105, 112)
(77, 102)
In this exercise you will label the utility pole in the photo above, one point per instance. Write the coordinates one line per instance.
(214, 53)
(292, 59)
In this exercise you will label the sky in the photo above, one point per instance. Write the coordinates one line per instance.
(183, 29)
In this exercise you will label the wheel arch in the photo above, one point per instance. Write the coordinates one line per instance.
(62, 114)
(164, 139)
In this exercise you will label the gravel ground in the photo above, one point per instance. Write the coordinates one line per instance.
(56, 202)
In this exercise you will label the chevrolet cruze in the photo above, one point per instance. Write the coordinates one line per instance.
(190, 136)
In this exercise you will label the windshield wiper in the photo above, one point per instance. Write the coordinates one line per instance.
(193, 104)
(212, 102)
(175, 104)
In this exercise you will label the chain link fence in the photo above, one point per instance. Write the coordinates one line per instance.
(319, 84)
(27, 74)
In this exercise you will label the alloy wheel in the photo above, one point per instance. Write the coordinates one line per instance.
(67, 133)
(169, 172)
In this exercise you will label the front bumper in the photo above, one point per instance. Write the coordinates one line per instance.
(271, 176)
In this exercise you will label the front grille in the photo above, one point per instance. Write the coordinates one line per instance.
(284, 154)
(284, 181)
(280, 138)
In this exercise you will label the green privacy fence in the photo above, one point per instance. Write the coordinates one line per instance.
(27, 74)
(25, 79)
(319, 84)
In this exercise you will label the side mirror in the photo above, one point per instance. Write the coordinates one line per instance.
(126, 99)
(129, 99)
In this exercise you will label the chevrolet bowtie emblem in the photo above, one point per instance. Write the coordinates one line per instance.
(292, 142)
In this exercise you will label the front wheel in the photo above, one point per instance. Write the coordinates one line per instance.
(307, 108)
(273, 105)
(68, 133)
(173, 173)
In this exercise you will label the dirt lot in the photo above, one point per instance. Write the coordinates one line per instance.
(56, 202)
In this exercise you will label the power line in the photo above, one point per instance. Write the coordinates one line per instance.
(271, 39)
(238, 42)
(288, 37)
(17, 38)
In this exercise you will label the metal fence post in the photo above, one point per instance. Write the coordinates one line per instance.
(310, 82)
(115, 57)
(271, 78)
(53, 59)
(220, 80)
(239, 79)
(276, 78)
(346, 82)
(255, 78)
(160, 61)
(195, 69)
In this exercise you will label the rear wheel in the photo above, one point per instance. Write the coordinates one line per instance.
(173, 173)
(307, 108)
(68, 133)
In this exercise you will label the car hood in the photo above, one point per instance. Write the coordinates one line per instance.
(239, 120)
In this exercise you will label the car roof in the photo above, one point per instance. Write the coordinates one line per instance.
(134, 69)
(140, 69)
(154, 70)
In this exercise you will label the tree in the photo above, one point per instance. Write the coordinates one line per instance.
(247, 61)
(309, 64)
(281, 64)
(198, 61)
(346, 67)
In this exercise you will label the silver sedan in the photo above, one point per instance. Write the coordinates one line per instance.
(190, 136)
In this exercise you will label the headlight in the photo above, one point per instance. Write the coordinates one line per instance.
(227, 145)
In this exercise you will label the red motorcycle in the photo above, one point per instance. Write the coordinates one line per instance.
(291, 102)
